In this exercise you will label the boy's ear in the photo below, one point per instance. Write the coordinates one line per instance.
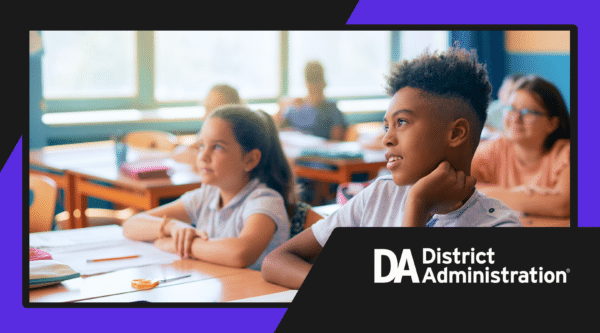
(251, 159)
(459, 132)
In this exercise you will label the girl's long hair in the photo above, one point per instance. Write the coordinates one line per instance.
(257, 130)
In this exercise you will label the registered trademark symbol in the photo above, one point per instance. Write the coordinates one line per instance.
(568, 270)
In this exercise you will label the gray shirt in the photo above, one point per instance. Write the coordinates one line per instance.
(315, 120)
(382, 204)
(202, 205)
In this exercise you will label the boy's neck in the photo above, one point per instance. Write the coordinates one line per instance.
(315, 97)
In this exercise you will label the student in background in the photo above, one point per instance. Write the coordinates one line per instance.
(495, 110)
(529, 165)
(313, 114)
(433, 126)
(218, 95)
(239, 214)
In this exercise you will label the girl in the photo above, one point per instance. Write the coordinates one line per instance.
(239, 213)
(528, 167)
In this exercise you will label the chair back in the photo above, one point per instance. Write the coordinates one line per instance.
(155, 140)
(96, 217)
(41, 210)
(303, 217)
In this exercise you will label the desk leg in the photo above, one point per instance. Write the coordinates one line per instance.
(321, 195)
(69, 199)
(81, 204)
(154, 200)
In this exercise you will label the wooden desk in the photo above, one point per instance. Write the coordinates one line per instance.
(345, 169)
(295, 145)
(243, 284)
(89, 170)
(208, 283)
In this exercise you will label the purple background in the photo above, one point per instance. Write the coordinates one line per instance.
(577, 12)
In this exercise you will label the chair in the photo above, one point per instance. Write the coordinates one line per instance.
(303, 217)
(41, 210)
(155, 140)
(97, 217)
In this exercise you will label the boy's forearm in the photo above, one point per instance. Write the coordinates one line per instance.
(415, 213)
(285, 269)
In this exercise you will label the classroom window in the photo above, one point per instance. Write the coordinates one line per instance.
(414, 43)
(147, 70)
(89, 64)
(188, 63)
(355, 62)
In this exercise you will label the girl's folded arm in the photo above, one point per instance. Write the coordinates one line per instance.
(146, 226)
(556, 203)
(241, 251)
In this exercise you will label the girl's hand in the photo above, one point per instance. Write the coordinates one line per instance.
(441, 191)
(183, 235)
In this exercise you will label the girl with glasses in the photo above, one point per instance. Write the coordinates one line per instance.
(528, 167)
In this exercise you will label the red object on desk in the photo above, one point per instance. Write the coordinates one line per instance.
(146, 169)
(37, 254)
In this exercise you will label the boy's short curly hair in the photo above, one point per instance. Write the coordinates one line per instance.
(454, 73)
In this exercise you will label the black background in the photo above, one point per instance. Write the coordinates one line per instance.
(340, 289)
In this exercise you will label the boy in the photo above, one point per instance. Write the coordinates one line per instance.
(433, 126)
(313, 114)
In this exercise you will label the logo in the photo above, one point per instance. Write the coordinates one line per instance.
(405, 268)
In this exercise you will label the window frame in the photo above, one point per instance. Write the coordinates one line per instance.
(144, 99)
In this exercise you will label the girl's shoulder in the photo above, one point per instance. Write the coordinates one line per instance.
(562, 145)
(261, 190)
(561, 150)
(491, 148)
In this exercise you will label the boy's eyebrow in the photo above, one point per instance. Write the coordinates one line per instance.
(400, 111)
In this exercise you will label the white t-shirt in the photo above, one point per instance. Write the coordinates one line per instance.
(202, 207)
(382, 204)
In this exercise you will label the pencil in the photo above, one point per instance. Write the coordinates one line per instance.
(116, 258)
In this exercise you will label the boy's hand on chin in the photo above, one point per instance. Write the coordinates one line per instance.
(441, 191)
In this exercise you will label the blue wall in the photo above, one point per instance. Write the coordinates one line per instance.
(553, 67)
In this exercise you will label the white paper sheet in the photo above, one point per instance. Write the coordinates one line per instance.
(74, 247)
(75, 237)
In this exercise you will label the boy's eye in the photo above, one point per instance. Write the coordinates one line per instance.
(218, 147)
(385, 128)
(401, 122)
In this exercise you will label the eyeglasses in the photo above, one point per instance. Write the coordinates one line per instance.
(525, 113)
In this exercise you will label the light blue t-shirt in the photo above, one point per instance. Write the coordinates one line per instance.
(382, 204)
(202, 207)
